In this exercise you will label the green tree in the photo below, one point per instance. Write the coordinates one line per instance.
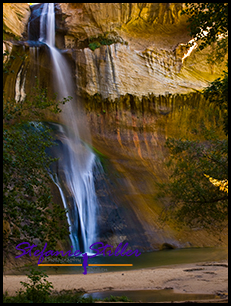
(217, 93)
(208, 24)
(28, 211)
(193, 199)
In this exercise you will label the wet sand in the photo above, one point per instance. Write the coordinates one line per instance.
(206, 278)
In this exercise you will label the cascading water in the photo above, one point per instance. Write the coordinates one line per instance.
(79, 162)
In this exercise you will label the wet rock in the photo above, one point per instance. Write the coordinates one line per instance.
(167, 246)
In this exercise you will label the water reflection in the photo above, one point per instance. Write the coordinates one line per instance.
(166, 295)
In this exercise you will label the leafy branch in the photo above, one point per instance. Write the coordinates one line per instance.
(29, 214)
(208, 24)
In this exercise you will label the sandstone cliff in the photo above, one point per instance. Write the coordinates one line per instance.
(149, 54)
(15, 18)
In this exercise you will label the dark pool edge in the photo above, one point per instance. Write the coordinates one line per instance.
(190, 301)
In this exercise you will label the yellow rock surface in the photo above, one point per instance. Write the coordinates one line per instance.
(15, 18)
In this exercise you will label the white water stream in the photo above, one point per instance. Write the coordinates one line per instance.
(79, 161)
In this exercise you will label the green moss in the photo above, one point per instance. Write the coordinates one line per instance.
(97, 152)
(106, 42)
(96, 42)
(94, 45)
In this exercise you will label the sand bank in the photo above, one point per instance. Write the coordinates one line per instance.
(207, 278)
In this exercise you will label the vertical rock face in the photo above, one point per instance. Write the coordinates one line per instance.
(131, 133)
(146, 51)
(149, 54)
(85, 19)
(15, 18)
(115, 70)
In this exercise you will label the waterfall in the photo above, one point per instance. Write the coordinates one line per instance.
(79, 163)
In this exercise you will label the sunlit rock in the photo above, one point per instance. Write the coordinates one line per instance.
(15, 18)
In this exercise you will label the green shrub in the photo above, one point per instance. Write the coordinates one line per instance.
(106, 41)
(94, 45)
(63, 296)
(38, 289)
(96, 42)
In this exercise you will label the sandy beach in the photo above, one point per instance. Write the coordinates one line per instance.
(205, 278)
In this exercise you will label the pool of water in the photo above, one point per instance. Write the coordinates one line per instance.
(165, 295)
(145, 260)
